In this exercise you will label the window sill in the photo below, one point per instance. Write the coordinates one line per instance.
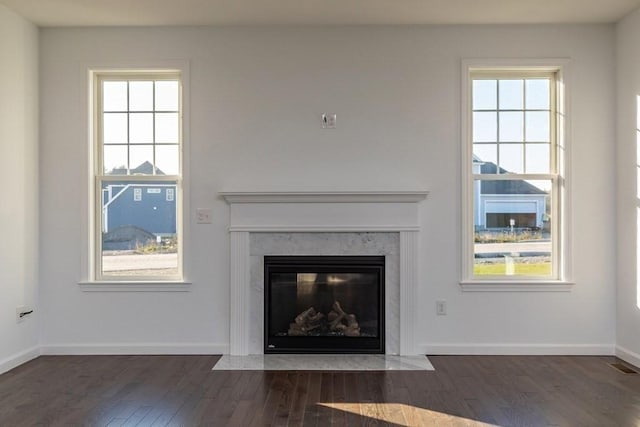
(516, 286)
(152, 286)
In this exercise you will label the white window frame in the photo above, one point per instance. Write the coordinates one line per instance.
(561, 257)
(131, 283)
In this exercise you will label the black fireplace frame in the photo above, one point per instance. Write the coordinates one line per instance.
(324, 344)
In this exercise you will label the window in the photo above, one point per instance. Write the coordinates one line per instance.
(137, 173)
(513, 187)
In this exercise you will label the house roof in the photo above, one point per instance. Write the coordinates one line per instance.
(516, 186)
(144, 168)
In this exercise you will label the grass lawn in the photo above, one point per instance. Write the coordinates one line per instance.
(526, 269)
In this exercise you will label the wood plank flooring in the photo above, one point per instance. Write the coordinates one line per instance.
(183, 391)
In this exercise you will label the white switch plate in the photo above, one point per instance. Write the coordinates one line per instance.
(203, 216)
(329, 121)
(441, 307)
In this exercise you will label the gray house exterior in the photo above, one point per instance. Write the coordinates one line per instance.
(503, 204)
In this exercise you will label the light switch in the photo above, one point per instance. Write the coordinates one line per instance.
(203, 216)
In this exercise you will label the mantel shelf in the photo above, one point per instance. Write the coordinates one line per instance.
(324, 196)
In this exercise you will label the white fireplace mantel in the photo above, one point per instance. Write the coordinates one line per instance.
(322, 212)
(324, 196)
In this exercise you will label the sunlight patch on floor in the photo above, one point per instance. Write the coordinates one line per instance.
(402, 414)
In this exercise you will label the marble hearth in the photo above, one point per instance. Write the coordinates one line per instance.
(326, 223)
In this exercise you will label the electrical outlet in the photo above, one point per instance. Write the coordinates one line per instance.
(441, 307)
(329, 121)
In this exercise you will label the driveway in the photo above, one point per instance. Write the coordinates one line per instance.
(132, 262)
(539, 246)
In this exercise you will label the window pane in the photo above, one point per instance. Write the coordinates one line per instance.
(167, 160)
(512, 228)
(511, 126)
(141, 159)
(484, 127)
(140, 96)
(167, 95)
(141, 131)
(511, 94)
(485, 94)
(511, 158)
(139, 235)
(538, 158)
(114, 160)
(538, 94)
(114, 96)
(114, 128)
(486, 153)
(538, 127)
(167, 128)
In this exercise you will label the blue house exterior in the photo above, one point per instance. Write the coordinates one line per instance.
(151, 207)
(147, 206)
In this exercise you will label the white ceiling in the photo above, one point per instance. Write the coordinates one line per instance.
(317, 12)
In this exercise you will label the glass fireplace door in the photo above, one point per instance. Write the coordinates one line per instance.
(328, 304)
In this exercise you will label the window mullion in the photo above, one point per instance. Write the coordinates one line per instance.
(128, 133)
(153, 109)
(498, 139)
(524, 125)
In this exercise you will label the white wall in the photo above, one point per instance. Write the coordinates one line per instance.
(256, 96)
(628, 70)
(19, 175)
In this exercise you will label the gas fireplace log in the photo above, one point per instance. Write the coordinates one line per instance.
(315, 319)
(338, 308)
(336, 322)
(351, 320)
(352, 331)
(340, 328)
(306, 321)
(296, 331)
(303, 317)
(340, 321)
(338, 317)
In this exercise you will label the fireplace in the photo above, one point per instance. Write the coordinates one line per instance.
(317, 223)
(324, 304)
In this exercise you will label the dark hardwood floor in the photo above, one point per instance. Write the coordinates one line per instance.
(183, 391)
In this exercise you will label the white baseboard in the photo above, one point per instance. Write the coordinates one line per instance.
(429, 349)
(628, 356)
(520, 349)
(18, 359)
(126, 348)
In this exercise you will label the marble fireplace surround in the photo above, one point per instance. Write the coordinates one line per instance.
(323, 223)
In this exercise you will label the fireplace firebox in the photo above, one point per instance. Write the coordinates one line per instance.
(324, 304)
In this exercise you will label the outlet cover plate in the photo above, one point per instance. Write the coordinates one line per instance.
(329, 121)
